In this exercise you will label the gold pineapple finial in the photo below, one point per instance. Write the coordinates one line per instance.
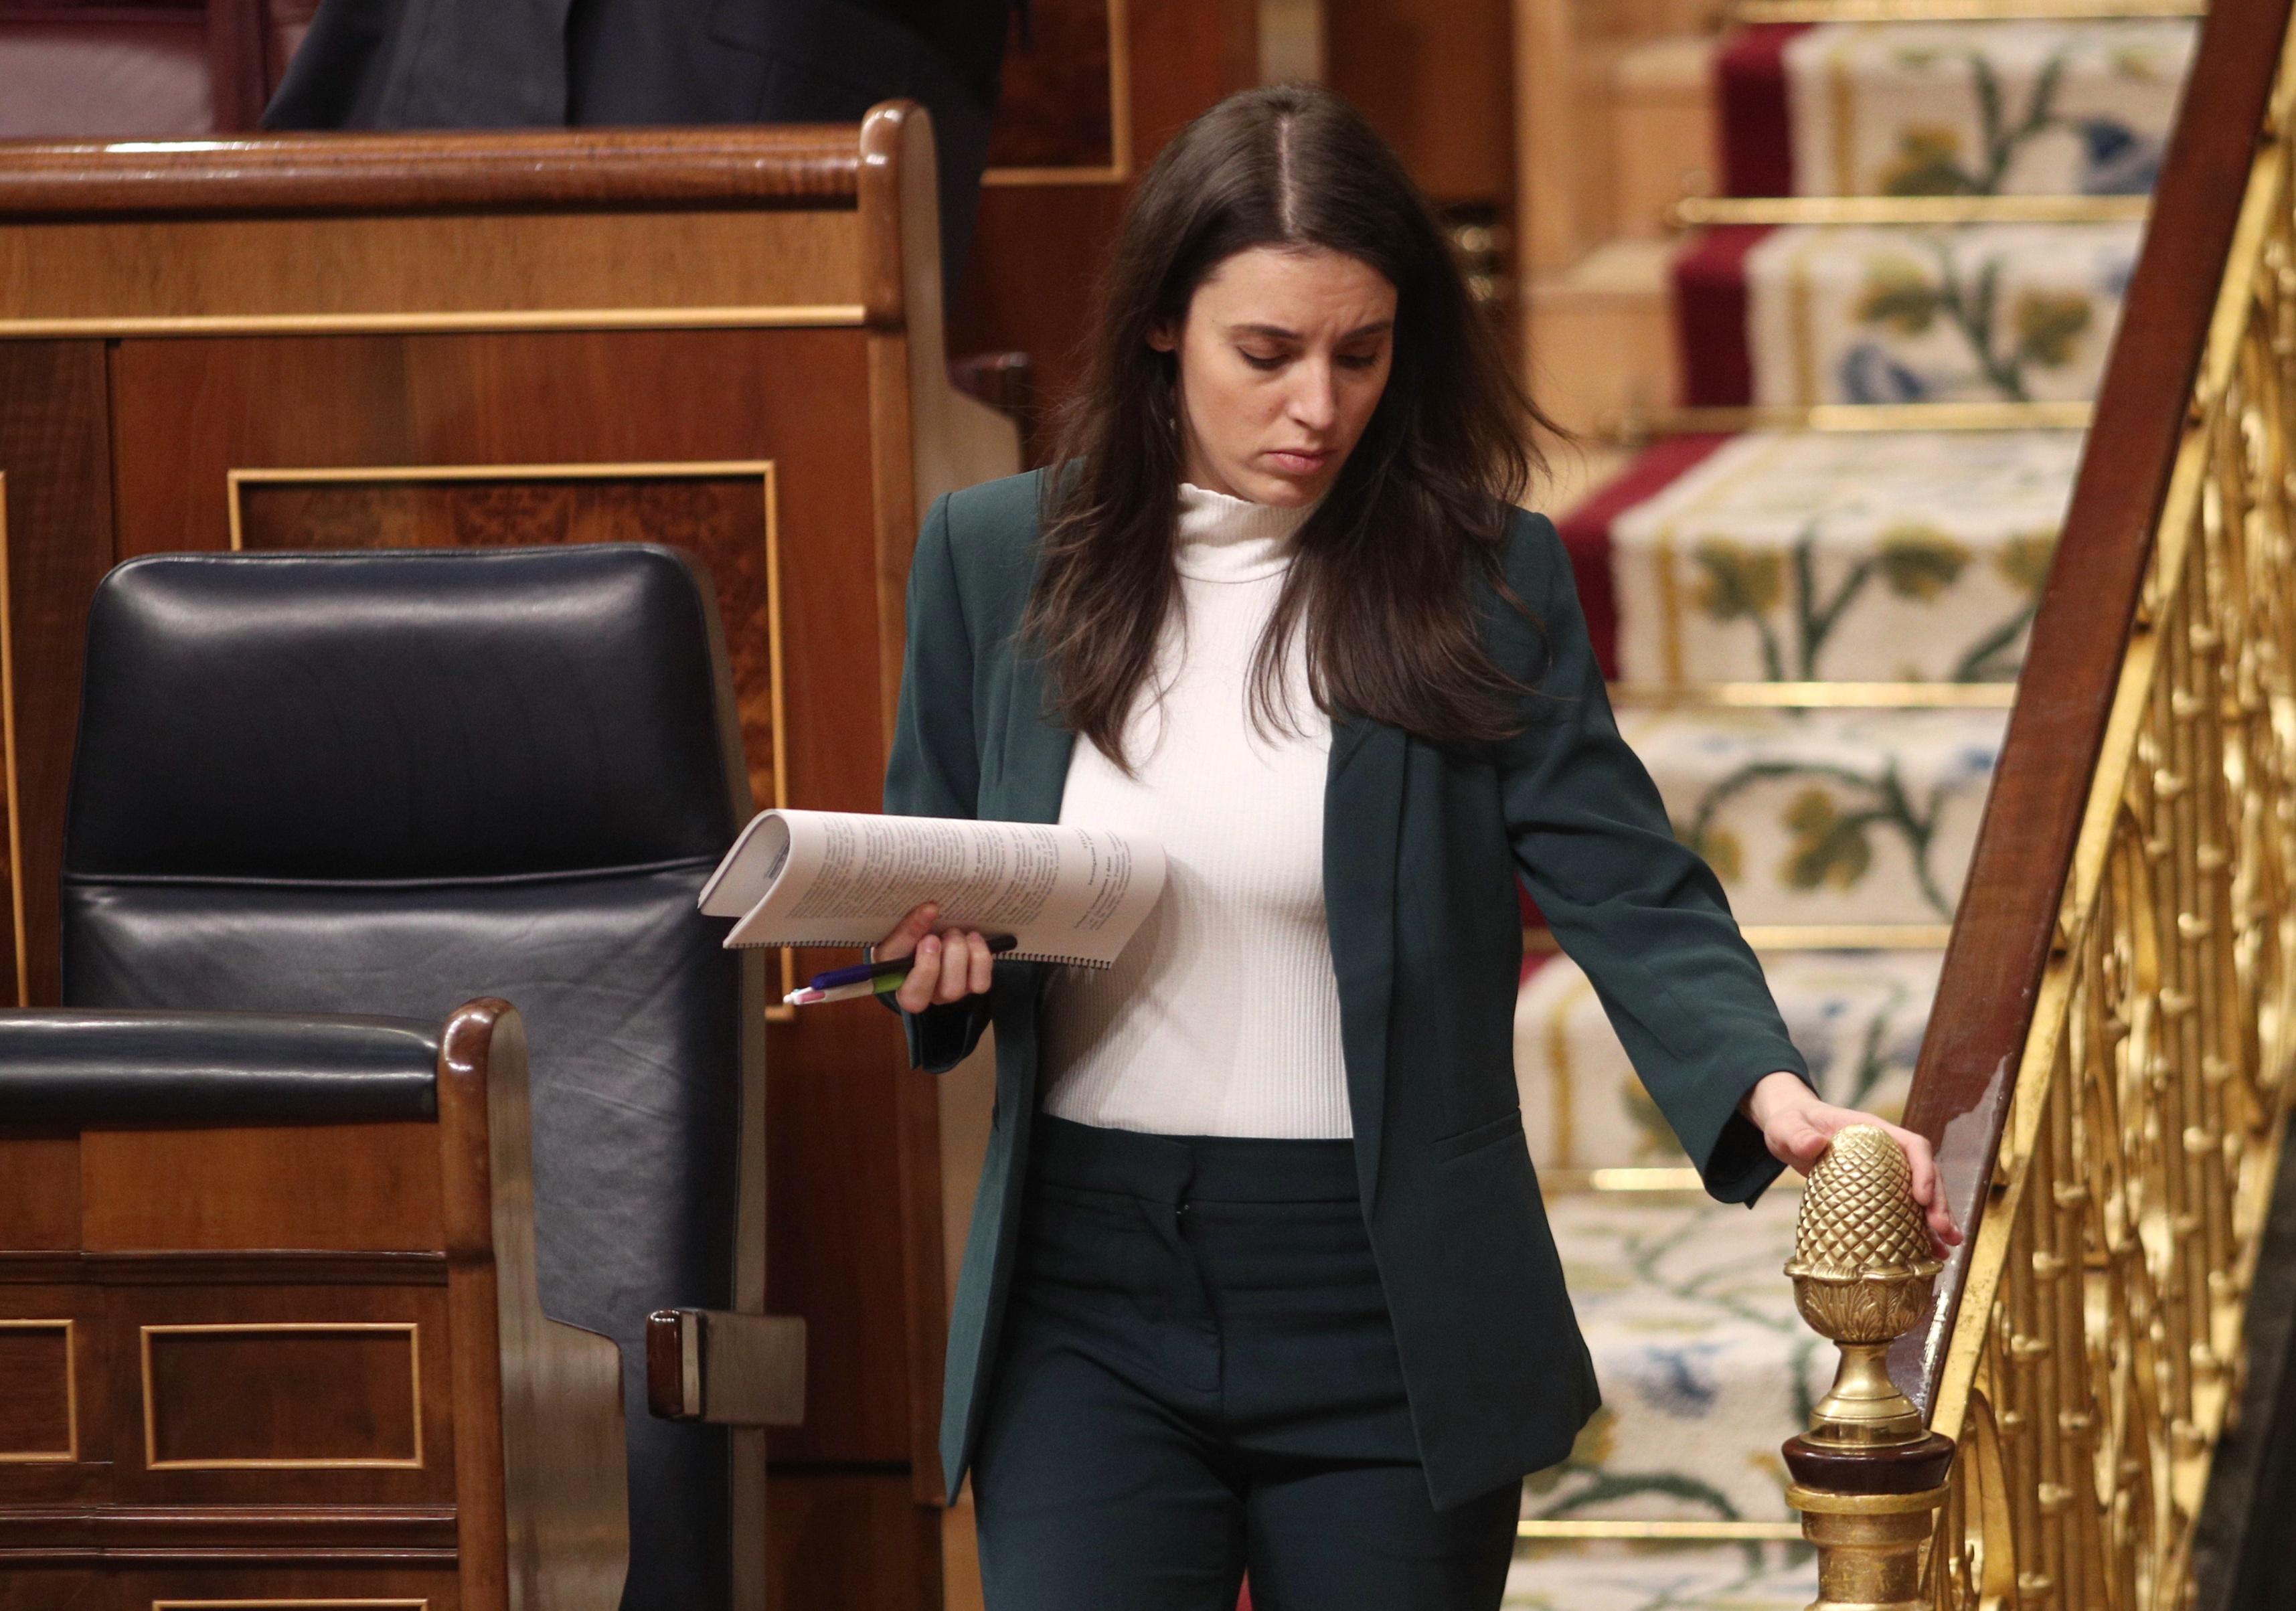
(1862, 1272)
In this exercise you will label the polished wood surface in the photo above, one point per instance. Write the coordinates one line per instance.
(301, 1395)
(55, 471)
(1060, 97)
(710, 338)
(1435, 77)
(431, 271)
(1039, 247)
(484, 170)
(2007, 921)
(333, 1186)
(654, 403)
(538, 1404)
(205, 1418)
(853, 1539)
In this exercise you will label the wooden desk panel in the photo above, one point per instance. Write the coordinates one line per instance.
(621, 311)
(288, 275)
(191, 412)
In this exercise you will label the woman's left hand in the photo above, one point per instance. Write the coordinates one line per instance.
(1797, 1126)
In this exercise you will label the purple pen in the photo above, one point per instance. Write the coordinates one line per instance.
(862, 972)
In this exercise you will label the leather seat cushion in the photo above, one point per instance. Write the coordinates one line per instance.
(633, 1034)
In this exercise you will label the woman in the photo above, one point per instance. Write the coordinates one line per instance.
(1258, 1274)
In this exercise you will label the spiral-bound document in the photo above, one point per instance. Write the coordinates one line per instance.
(1065, 894)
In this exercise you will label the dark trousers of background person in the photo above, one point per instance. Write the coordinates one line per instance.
(1198, 1377)
(502, 63)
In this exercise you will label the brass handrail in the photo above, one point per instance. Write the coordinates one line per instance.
(2107, 1073)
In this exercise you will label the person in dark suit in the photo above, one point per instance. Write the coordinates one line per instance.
(497, 63)
(1258, 1275)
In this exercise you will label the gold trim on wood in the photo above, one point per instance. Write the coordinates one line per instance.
(8, 752)
(69, 1453)
(1864, 416)
(694, 470)
(1662, 1532)
(296, 1602)
(1809, 937)
(1695, 212)
(804, 317)
(1957, 11)
(413, 1333)
(1118, 169)
(1795, 696)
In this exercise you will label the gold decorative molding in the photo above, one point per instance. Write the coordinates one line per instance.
(69, 1453)
(300, 1602)
(806, 316)
(1118, 170)
(8, 755)
(1698, 212)
(2100, 1322)
(697, 469)
(1863, 1272)
(1798, 696)
(411, 1330)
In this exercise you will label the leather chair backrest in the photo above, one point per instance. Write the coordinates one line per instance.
(113, 74)
(390, 782)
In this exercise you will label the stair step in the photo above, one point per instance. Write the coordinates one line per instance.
(1705, 1367)
(1826, 816)
(1664, 1576)
(1602, 343)
(1894, 316)
(1661, 130)
(2083, 107)
(1856, 1016)
(1816, 557)
(1802, 315)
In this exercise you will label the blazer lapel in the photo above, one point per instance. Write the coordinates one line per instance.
(1036, 770)
(1363, 814)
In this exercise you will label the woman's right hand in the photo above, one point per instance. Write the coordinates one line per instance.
(948, 965)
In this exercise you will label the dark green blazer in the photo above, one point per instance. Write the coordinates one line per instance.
(1422, 847)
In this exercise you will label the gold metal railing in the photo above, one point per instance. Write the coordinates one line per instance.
(2097, 1341)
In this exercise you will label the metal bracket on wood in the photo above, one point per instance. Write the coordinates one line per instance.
(731, 1370)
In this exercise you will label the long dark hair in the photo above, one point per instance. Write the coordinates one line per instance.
(1379, 583)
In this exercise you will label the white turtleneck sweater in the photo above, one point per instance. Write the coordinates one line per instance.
(1222, 1016)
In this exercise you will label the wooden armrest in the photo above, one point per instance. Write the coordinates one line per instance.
(733, 1369)
(1004, 381)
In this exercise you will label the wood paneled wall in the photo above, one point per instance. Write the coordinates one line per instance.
(272, 346)
(263, 1365)
(1063, 165)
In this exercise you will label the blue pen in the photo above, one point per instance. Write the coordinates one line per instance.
(863, 972)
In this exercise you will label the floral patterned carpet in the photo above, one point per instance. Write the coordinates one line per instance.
(1887, 580)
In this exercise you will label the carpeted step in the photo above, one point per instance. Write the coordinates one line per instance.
(1792, 316)
(2029, 107)
(1826, 816)
(1609, 1575)
(1840, 557)
(1856, 1016)
(1704, 1365)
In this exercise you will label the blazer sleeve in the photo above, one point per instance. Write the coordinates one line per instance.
(1641, 912)
(934, 769)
